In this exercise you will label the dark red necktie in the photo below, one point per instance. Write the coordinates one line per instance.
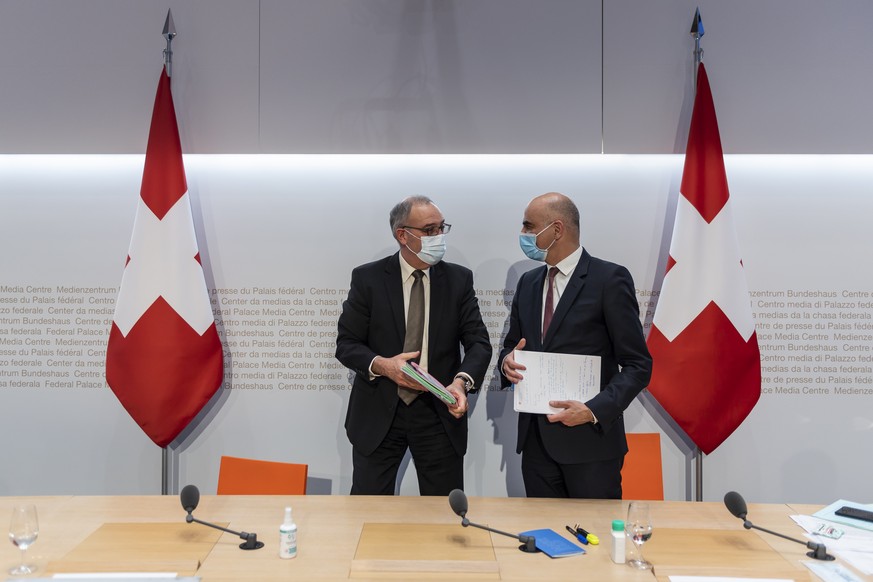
(550, 301)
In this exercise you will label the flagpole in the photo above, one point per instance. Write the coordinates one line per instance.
(696, 32)
(169, 33)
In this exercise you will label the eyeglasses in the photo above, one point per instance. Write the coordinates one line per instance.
(443, 228)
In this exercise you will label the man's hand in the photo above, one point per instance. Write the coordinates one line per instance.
(459, 409)
(574, 413)
(511, 368)
(390, 368)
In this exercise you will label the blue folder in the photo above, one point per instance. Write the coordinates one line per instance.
(554, 544)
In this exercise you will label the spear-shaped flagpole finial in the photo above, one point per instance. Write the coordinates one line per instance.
(697, 32)
(169, 33)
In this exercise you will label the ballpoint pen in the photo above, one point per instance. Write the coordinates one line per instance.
(578, 535)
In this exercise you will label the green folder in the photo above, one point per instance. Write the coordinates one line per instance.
(424, 379)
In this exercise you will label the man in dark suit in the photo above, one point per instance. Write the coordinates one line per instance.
(411, 305)
(586, 306)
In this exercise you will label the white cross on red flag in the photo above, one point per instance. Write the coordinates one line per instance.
(164, 359)
(706, 364)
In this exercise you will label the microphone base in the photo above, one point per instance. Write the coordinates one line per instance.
(249, 546)
(526, 549)
(815, 555)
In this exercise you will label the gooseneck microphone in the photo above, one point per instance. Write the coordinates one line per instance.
(737, 506)
(190, 497)
(458, 503)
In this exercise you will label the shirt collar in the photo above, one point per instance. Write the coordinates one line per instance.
(406, 269)
(568, 265)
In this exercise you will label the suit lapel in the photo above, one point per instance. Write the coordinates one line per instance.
(437, 274)
(571, 291)
(394, 292)
(535, 315)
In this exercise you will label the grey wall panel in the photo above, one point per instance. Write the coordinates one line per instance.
(647, 74)
(215, 75)
(787, 76)
(412, 76)
(371, 76)
(80, 77)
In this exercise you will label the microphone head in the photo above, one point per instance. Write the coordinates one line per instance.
(736, 504)
(458, 502)
(190, 497)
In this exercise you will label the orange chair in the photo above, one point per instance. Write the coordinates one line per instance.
(641, 476)
(238, 476)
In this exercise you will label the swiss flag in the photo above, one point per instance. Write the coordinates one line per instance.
(164, 359)
(706, 364)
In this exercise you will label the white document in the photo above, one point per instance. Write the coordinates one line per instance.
(119, 576)
(850, 538)
(853, 545)
(863, 561)
(555, 377)
(831, 571)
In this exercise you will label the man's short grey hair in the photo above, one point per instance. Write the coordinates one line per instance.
(567, 210)
(400, 213)
(560, 207)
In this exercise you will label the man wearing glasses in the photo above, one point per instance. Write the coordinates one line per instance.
(411, 306)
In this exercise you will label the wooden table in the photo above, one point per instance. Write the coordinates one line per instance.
(330, 529)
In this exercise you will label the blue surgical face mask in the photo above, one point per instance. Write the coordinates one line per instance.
(433, 248)
(528, 243)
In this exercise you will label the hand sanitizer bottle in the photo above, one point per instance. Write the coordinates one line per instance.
(288, 537)
(617, 551)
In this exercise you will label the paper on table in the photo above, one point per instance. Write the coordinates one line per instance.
(831, 571)
(118, 576)
(829, 513)
(851, 538)
(722, 579)
(555, 377)
(854, 546)
(862, 561)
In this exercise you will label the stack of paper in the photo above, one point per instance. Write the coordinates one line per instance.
(848, 539)
(427, 381)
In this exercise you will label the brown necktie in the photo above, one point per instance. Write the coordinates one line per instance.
(550, 301)
(414, 329)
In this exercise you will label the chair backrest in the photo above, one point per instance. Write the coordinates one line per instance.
(642, 476)
(237, 476)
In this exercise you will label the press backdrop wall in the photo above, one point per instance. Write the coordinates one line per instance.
(303, 122)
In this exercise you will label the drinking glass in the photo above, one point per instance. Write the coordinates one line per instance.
(23, 531)
(639, 529)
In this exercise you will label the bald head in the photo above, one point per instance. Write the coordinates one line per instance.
(556, 206)
(558, 215)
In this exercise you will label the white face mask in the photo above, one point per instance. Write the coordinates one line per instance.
(433, 248)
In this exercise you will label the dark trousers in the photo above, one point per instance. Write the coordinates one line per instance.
(416, 427)
(545, 477)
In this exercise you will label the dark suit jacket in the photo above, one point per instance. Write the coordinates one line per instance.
(373, 323)
(598, 315)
